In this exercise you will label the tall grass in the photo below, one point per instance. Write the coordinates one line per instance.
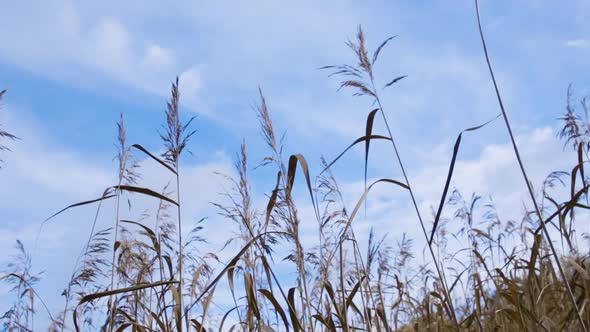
(524, 174)
(144, 273)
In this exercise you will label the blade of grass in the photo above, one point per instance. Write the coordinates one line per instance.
(450, 175)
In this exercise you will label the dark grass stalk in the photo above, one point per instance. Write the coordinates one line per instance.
(80, 257)
(180, 251)
(364, 83)
(415, 204)
(23, 280)
(175, 141)
(306, 302)
(20, 273)
(366, 267)
(524, 173)
(113, 262)
(362, 279)
(128, 176)
(161, 297)
(342, 288)
(240, 212)
(246, 214)
(332, 194)
(328, 180)
(291, 218)
(439, 271)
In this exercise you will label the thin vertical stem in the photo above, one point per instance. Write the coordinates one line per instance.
(415, 204)
(111, 301)
(84, 253)
(180, 254)
(524, 173)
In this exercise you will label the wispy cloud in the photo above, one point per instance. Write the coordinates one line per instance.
(64, 44)
(578, 43)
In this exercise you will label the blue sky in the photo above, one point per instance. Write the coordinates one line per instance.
(72, 67)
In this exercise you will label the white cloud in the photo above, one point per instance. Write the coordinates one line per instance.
(158, 58)
(109, 46)
(578, 43)
(190, 84)
(69, 45)
(37, 164)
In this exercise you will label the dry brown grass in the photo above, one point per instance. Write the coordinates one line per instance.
(143, 275)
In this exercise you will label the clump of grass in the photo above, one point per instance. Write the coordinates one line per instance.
(19, 274)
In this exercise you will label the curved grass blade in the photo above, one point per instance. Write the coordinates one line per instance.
(292, 312)
(276, 306)
(368, 132)
(395, 80)
(177, 307)
(355, 212)
(450, 175)
(150, 233)
(581, 162)
(273, 199)
(158, 160)
(353, 293)
(198, 326)
(457, 279)
(123, 327)
(145, 191)
(378, 50)
(358, 140)
(364, 197)
(292, 170)
(225, 317)
(328, 323)
(330, 291)
(158, 321)
(104, 196)
(94, 296)
(565, 208)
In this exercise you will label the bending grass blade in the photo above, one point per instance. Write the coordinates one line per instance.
(358, 140)
(276, 306)
(450, 175)
(158, 160)
(145, 191)
(104, 196)
(94, 296)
